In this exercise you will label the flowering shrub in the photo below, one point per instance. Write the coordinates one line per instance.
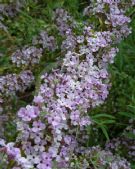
(51, 130)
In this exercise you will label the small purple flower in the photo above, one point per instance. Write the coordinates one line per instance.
(38, 100)
(75, 117)
(37, 126)
(28, 113)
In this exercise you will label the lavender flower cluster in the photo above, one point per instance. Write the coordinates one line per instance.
(124, 143)
(12, 83)
(47, 42)
(49, 129)
(9, 10)
(105, 159)
(25, 58)
(28, 56)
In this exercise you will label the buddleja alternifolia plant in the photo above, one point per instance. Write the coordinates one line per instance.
(51, 130)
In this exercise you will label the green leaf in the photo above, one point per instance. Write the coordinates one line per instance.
(104, 130)
(108, 122)
(127, 114)
(103, 115)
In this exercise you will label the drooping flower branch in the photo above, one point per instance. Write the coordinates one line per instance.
(50, 128)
